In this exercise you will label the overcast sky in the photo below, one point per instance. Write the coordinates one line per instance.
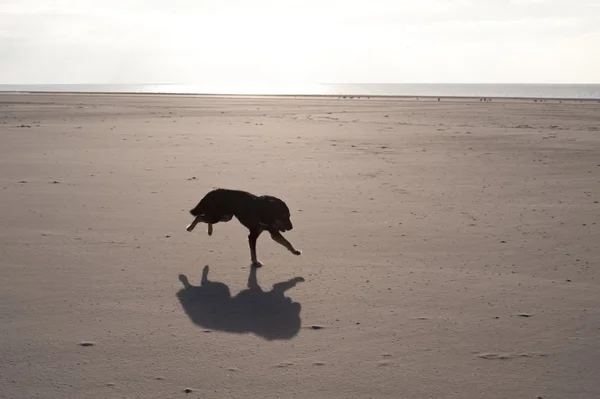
(199, 41)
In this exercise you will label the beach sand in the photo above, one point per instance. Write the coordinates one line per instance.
(450, 249)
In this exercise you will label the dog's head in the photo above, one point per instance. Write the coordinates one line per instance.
(275, 213)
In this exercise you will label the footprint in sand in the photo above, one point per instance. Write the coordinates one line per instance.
(284, 364)
(508, 356)
(316, 327)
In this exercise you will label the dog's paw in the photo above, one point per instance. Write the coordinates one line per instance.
(210, 230)
(297, 252)
(190, 228)
(256, 264)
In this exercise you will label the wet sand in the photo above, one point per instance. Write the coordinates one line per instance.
(450, 249)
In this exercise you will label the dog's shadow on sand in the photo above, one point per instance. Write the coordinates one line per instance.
(270, 315)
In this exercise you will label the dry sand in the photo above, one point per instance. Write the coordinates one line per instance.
(451, 249)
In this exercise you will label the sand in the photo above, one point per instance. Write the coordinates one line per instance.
(450, 249)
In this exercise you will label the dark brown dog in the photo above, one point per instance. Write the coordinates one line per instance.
(256, 213)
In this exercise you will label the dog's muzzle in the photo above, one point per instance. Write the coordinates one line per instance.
(284, 225)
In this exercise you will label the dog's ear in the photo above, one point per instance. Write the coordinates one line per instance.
(274, 213)
(266, 211)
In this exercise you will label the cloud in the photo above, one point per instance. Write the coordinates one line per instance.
(384, 40)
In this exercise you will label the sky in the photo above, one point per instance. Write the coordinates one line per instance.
(316, 41)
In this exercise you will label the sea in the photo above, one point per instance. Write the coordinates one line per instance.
(549, 91)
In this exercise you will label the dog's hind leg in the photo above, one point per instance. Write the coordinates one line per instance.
(254, 233)
(223, 218)
(278, 238)
(226, 218)
(192, 225)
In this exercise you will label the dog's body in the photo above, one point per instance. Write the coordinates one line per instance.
(256, 213)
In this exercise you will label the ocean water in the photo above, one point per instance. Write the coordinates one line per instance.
(563, 91)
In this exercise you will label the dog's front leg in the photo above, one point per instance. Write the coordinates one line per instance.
(254, 233)
(278, 238)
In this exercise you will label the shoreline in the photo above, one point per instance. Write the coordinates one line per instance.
(314, 96)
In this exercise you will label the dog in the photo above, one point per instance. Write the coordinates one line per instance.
(256, 213)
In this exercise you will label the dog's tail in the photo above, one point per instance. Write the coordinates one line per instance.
(198, 210)
(204, 205)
